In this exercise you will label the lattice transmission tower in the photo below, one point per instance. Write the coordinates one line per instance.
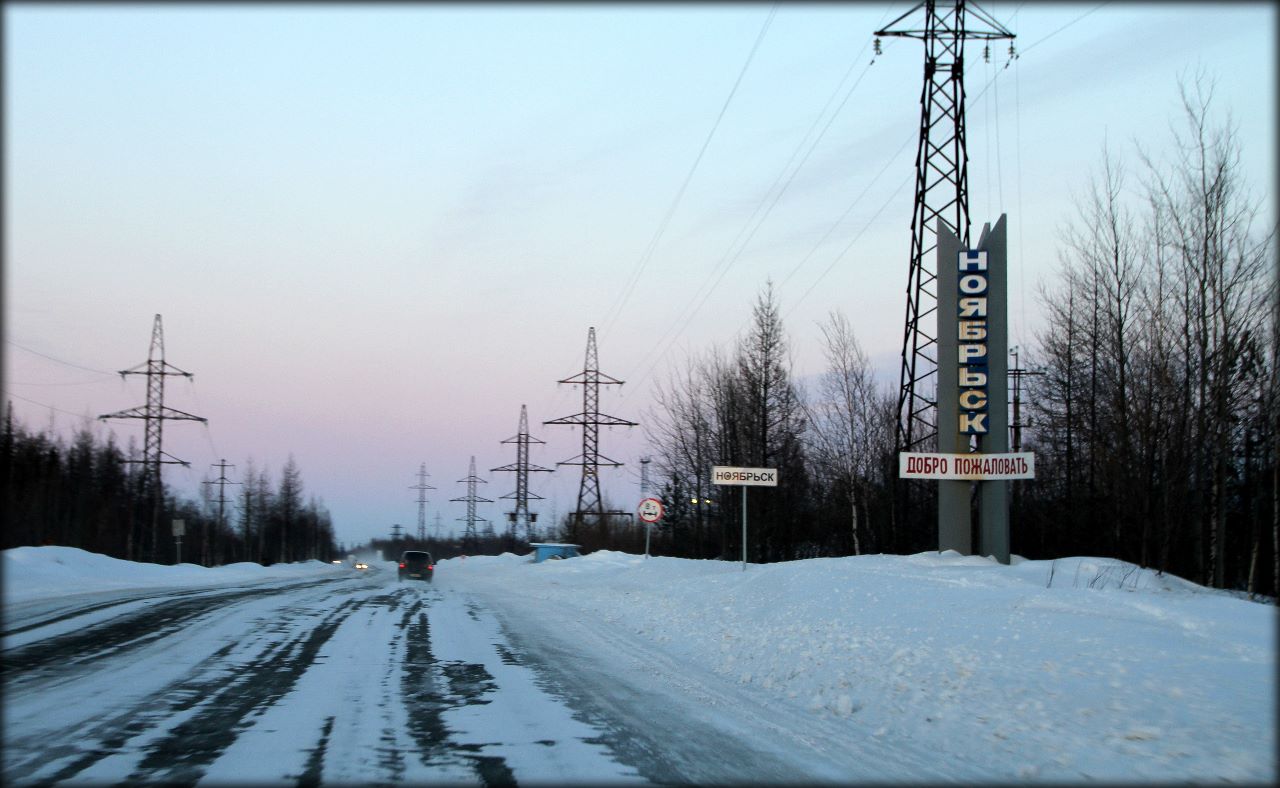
(422, 488)
(942, 194)
(591, 419)
(222, 481)
(520, 520)
(154, 414)
(469, 539)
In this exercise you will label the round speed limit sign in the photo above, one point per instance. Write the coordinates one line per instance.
(650, 510)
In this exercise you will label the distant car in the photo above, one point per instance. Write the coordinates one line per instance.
(361, 565)
(417, 565)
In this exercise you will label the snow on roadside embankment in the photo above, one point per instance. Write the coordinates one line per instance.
(34, 574)
(1071, 669)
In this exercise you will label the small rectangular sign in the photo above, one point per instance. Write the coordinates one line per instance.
(966, 467)
(748, 477)
(179, 527)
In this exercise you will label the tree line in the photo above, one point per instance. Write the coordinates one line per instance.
(1155, 418)
(85, 492)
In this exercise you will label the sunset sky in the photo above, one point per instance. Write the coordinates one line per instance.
(374, 232)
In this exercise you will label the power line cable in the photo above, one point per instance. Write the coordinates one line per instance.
(71, 383)
(888, 163)
(616, 307)
(562, 392)
(1037, 43)
(41, 404)
(794, 171)
(991, 82)
(848, 246)
(661, 348)
(209, 437)
(730, 257)
(689, 315)
(618, 303)
(58, 360)
(1017, 114)
(195, 395)
(986, 139)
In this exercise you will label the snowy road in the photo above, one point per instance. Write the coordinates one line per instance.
(615, 669)
(346, 679)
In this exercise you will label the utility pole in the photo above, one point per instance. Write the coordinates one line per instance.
(396, 532)
(644, 494)
(437, 524)
(1017, 374)
(590, 419)
(422, 488)
(520, 521)
(222, 481)
(153, 414)
(469, 536)
(941, 195)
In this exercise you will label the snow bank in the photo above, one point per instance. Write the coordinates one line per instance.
(1079, 668)
(34, 573)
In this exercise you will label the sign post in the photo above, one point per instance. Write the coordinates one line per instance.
(744, 477)
(650, 512)
(179, 528)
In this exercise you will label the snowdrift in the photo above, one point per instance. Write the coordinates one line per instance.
(1078, 668)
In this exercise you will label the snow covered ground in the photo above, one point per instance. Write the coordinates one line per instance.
(1062, 670)
(40, 574)
(875, 668)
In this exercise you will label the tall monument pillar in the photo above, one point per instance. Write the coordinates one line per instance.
(973, 388)
(955, 531)
(993, 494)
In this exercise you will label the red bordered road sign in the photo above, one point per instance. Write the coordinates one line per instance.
(650, 510)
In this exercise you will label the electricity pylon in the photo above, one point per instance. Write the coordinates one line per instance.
(469, 536)
(153, 414)
(520, 521)
(942, 195)
(590, 419)
(222, 481)
(422, 488)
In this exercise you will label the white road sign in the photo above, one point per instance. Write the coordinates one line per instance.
(747, 477)
(966, 467)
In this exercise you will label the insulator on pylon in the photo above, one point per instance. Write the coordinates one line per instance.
(876, 48)
(986, 53)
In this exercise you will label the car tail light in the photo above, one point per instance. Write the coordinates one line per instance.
(431, 567)
(402, 566)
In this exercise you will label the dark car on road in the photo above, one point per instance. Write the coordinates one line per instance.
(416, 565)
